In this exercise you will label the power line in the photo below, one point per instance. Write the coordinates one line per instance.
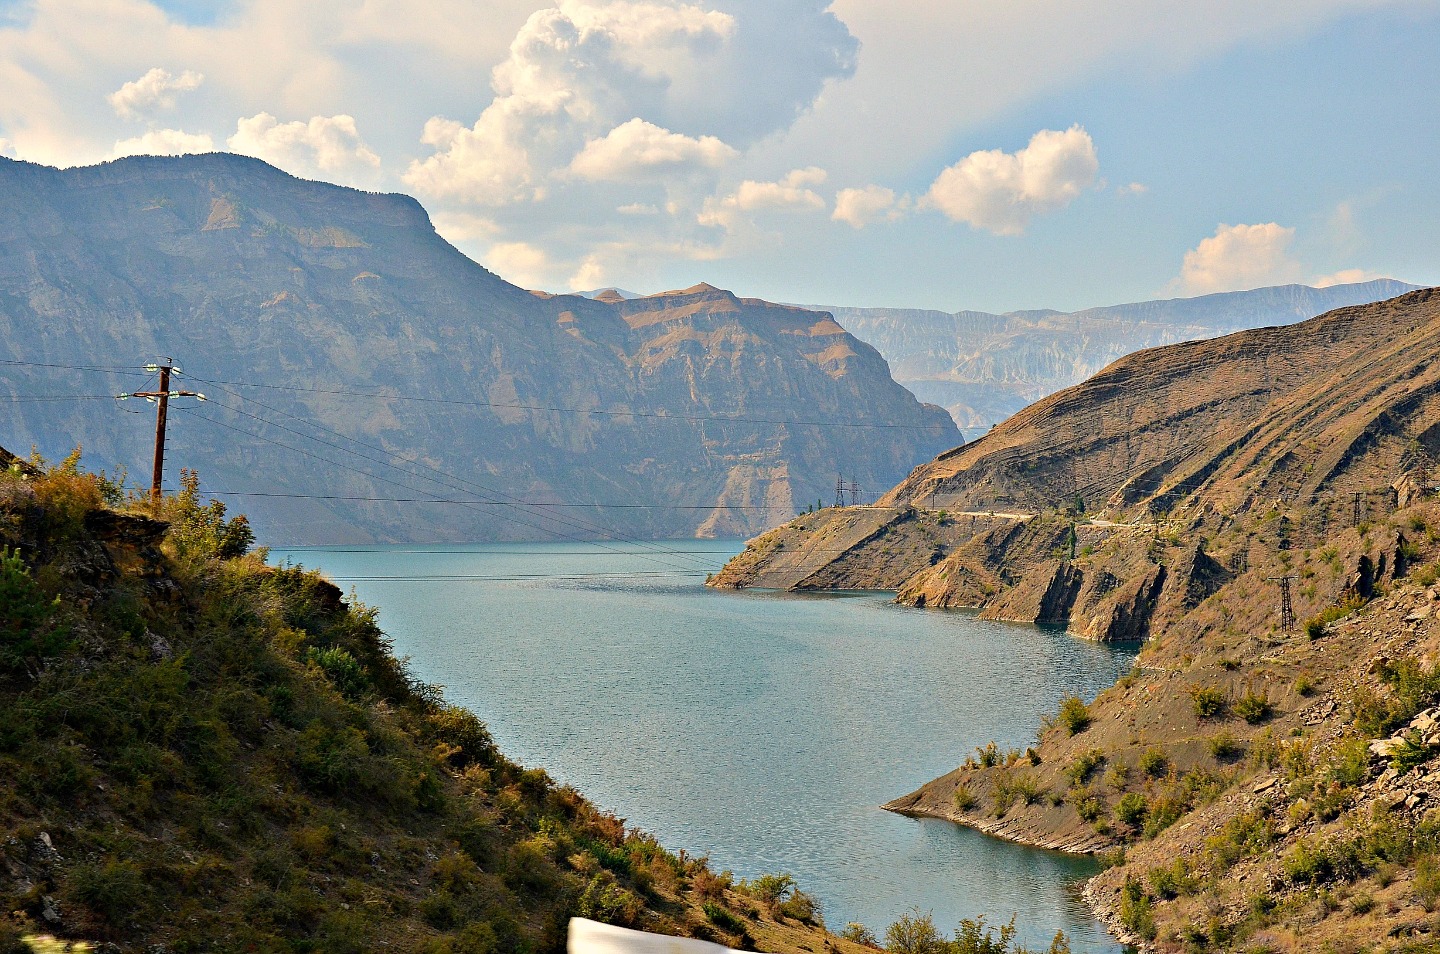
(549, 555)
(477, 503)
(510, 578)
(110, 369)
(517, 503)
(574, 522)
(576, 410)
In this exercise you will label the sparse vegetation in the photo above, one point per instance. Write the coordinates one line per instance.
(1074, 715)
(233, 751)
(1154, 763)
(1254, 707)
(1083, 765)
(1210, 702)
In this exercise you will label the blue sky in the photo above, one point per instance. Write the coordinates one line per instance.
(925, 153)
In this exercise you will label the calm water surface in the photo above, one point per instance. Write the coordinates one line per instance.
(759, 727)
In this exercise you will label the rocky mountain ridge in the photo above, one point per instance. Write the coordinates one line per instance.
(336, 332)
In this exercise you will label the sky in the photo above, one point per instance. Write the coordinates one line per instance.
(952, 154)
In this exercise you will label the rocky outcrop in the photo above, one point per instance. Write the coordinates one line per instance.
(1045, 595)
(316, 317)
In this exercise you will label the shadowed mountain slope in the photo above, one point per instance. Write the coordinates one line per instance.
(679, 407)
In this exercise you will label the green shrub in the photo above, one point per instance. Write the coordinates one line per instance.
(1087, 804)
(116, 891)
(974, 936)
(1083, 765)
(801, 907)
(914, 933)
(1254, 707)
(1154, 763)
(1136, 910)
(29, 634)
(342, 669)
(1074, 715)
(1427, 881)
(1164, 811)
(989, 756)
(605, 900)
(857, 933)
(770, 889)
(1173, 880)
(1411, 753)
(964, 798)
(1209, 701)
(1304, 686)
(1315, 625)
(1131, 809)
(1224, 746)
(722, 918)
(1308, 863)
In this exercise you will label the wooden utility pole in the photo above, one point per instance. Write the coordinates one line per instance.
(161, 399)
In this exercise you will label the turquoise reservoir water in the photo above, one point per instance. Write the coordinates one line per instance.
(760, 727)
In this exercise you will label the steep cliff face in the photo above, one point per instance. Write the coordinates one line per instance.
(984, 367)
(690, 412)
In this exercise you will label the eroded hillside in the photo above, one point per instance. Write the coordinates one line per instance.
(1259, 782)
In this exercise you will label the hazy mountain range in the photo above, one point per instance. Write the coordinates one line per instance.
(356, 362)
(984, 367)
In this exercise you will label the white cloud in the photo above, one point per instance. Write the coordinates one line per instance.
(164, 142)
(1347, 276)
(1239, 257)
(859, 207)
(1001, 192)
(155, 91)
(1134, 188)
(520, 263)
(326, 145)
(637, 149)
(792, 192)
(626, 90)
(572, 75)
(638, 208)
(590, 274)
(6, 149)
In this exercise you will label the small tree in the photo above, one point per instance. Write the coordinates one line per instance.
(28, 632)
(915, 933)
(1074, 714)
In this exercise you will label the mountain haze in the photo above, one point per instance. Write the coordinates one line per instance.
(984, 367)
(693, 412)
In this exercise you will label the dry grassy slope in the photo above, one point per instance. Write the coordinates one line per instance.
(199, 752)
(1190, 775)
